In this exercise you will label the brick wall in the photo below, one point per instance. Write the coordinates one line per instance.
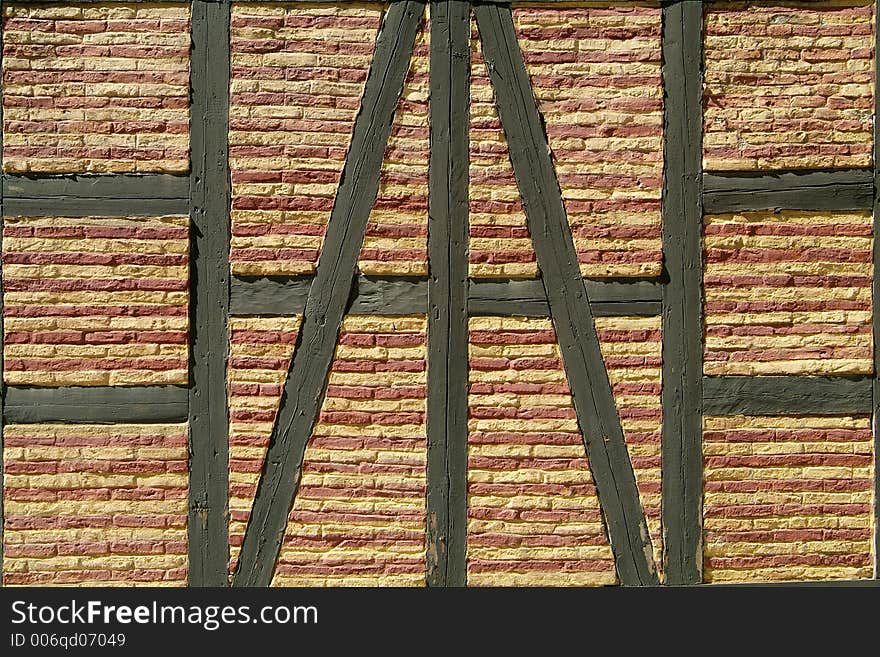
(596, 78)
(534, 516)
(396, 242)
(95, 300)
(95, 88)
(94, 505)
(787, 498)
(298, 73)
(500, 243)
(788, 85)
(103, 299)
(788, 293)
(359, 515)
(259, 355)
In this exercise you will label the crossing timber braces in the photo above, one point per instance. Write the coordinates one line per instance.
(446, 295)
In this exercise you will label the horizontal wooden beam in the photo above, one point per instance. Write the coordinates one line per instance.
(409, 296)
(141, 186)
(388, 296)
(274, 296)
(80, 196)
(280, 296)
(526, 297)
(96, 404)
(787, 395)
(845, 189)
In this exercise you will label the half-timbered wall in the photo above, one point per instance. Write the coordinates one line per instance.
(438, 292)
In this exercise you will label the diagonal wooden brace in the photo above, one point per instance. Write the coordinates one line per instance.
(328, 297)
(567, 296)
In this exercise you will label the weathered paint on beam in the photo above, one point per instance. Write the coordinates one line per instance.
(388, 296)
(107, 195)
(208, 524)
(95, 404)
(567, 296)
(527, 298)
(269, 296)
(787, 395)
(847, 189)
(681, 451)
(306, 381)
(282, 296)
(94, 207)
(114, 185)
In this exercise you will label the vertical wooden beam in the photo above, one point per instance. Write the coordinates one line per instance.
(567, 296)
(448, 293)
(208, 522)
(306, 381)
(875, 295)
(682, 469)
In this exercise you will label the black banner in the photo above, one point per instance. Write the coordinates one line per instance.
(392, 621)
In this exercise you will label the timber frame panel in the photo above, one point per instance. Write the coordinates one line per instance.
(567, 296)
(447, 296)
